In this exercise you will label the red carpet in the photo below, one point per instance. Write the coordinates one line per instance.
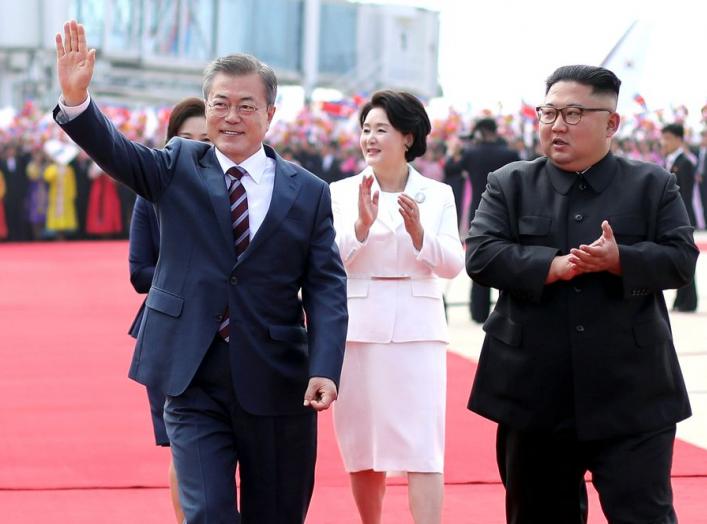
(72, 424)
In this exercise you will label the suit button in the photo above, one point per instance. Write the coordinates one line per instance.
(234, 280)
(579, 328)
(582, 186)
(219, 317)
(578, 217)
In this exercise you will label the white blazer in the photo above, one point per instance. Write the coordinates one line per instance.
(395, 291)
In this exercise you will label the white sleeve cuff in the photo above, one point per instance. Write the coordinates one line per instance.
(68, 113)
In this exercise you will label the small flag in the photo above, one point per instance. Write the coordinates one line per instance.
(527, 111)
(640, 101)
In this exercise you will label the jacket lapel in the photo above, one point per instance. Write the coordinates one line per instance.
(285, 189)
(216, 184)
(416, 187)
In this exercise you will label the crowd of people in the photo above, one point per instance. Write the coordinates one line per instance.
(51, 190)
(272, 294)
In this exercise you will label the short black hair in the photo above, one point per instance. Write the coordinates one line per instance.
(406, 114)
(601, 80)
(487, 125)
(674, 129)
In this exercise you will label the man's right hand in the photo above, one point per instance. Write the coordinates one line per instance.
(561, 268)
(74, 63)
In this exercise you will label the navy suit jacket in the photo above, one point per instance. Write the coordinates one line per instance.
(684, 171)
(144, 252)
(481, 160)
(197, 274)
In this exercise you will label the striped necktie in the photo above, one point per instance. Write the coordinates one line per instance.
(240, 223)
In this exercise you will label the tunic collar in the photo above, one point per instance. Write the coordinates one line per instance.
(598, 177)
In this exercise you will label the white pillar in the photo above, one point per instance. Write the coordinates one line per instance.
(310, 47)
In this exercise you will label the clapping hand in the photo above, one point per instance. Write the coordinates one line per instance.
(367, 208)
(411, 218)
(74, 63)
(561, 268)
(600, 255)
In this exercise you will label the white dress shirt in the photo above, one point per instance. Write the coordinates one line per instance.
(671, 158)
(258, 184)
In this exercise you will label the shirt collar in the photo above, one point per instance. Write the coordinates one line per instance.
(598, 176)
(255, 164)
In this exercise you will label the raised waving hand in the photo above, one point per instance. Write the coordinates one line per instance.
(75, 63)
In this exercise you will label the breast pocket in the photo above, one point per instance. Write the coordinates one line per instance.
(534, 230)
(628, 229)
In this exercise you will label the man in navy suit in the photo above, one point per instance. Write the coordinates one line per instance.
(679, 164)
(490, 153)
(247, 397)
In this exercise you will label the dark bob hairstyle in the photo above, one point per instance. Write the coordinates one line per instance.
(406, 114)
(183, 111)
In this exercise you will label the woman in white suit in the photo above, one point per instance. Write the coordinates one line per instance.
(397, 234)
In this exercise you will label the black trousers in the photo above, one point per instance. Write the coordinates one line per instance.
(457, 184)
(543, 474)
(210, 434)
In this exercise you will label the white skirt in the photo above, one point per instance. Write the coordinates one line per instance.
(391, 407)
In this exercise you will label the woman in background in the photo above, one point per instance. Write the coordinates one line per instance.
(36, 204)
(103, 215)
(187, 120)
(61, 212)
(397, 234)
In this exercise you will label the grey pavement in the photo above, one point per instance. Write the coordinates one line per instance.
(689, 334)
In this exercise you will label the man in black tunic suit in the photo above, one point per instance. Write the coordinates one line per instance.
(578, 365)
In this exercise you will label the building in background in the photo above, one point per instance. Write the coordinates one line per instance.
(154, 51)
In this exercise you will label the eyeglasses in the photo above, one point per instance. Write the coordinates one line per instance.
(572, 115)
(221, 109)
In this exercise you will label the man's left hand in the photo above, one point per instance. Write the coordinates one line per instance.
(321, 392)
(601, 255)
